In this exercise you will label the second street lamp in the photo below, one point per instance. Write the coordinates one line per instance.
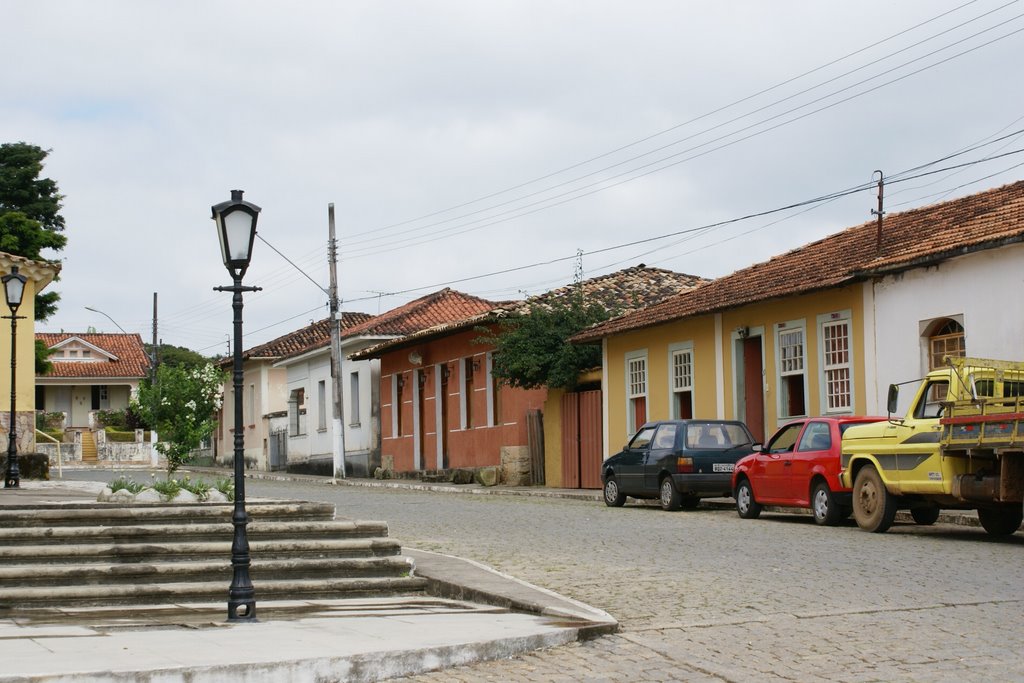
(14, 291)
(236, 229)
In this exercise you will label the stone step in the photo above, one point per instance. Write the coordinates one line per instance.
(204, 591)
(183, 550)
(25, 575)
(159, 533)
(109, 514)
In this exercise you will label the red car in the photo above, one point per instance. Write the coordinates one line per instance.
(798, 467)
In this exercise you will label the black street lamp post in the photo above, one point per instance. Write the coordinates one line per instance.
(14, 290)
(236, 228)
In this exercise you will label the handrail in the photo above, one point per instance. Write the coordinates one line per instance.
(60, 459)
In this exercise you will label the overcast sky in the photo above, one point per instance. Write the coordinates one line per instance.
(458, 139)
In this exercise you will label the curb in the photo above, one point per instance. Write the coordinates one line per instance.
(952, 517)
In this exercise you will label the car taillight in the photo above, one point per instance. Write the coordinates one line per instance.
(684, 464)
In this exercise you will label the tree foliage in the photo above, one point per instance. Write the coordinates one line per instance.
(30, 219)
(43, 364)
(178, 356)
(181, 405)
(532, 349)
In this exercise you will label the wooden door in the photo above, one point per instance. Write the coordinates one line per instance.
(753, 387)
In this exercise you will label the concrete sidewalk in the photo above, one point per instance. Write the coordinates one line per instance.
(471, 613)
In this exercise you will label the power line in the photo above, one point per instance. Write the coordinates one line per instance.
(603, 185)
(680, 125)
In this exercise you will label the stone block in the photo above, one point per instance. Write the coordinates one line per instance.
(487, 476)
(461, 476)
(516, 469)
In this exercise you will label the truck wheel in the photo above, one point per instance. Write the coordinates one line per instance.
(746, 506)
(671, 499)
(1001, 521)
(874, 507)
(925, 515)
(825, 508)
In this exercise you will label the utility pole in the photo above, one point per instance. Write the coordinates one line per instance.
(152, 369)
(879, 212)
(338, 421)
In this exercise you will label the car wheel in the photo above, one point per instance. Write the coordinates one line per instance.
(925, 515)
(690, 502)
(1001, 521)
(746, 506)
(671, 499)
(613, 496)
(874, 507)
(826, 510)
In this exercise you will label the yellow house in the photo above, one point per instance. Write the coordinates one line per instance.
(814, 331)
(39, 274)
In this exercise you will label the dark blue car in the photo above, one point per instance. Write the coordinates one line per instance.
(677, 461)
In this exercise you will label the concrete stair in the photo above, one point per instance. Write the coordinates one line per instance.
(88, 447)
(106, 555)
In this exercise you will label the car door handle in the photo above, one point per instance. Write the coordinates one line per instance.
(788, 463)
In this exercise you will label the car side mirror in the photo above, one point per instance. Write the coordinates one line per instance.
(893, 398)
(758, 448)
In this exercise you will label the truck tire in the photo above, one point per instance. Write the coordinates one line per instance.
(874, 507)
(1001, 521)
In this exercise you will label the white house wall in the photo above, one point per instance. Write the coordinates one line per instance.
(983, 290)
(361, 434)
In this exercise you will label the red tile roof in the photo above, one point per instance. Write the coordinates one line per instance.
(910, 239)
(309, 337)
(132, 361)
(445, 306)
(623, 290)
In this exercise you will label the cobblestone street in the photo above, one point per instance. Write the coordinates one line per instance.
(706, 596)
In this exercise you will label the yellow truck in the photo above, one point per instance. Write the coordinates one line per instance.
(959, 446)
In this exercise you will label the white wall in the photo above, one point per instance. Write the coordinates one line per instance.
(361, 435)
(984, 289)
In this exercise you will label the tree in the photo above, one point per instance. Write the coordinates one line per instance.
(178, 356)
(30, 218)
(43, 363)
(181, 405)
(532, 349)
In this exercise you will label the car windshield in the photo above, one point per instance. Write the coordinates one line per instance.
(716, 435)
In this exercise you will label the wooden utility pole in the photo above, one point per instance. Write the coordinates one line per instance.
(338, 421)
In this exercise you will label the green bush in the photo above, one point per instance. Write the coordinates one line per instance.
(119, 436)
(226, 486)
(200, 488)
(168, 488)
(112, 418)
(126, 483)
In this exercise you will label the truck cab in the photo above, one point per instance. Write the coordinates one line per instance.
(957, 446)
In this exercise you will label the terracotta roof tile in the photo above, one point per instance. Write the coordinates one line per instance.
(441, 307)
(909, 239)
(623, 290)
(132, 360)
(309, 337)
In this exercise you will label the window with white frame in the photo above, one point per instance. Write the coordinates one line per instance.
(251, 413)
(353, 400)
(790, 342)
(682, 383)
(321, 403)
(636, 392)
(835, 348)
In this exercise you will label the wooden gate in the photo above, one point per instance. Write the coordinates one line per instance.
(581, 440)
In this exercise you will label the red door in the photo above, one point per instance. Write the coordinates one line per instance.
(753, 387)
(581, 440)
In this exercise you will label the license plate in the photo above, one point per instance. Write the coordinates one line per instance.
(722, 467)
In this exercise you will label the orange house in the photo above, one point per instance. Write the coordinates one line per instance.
(440, 406)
